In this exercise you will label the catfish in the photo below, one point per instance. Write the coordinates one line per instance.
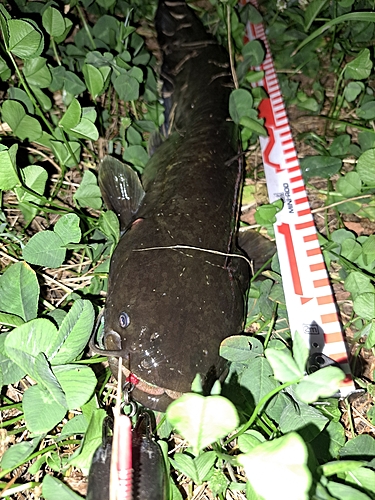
(177, 280)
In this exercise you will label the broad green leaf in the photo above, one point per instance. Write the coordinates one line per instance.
(42, 413)
(366, 111)
(23, 125)
(94, 80)
(312, 10)
(258, 379)
(136, 155)
(240, 348)
(335, 433)
(365, 167)
(240, 104)
(77, 382)
(253, 125)
(67, 228)
(8, 171)
(74, 333)
(370, 340)
(88, 194)
(37, 72)
(110, 225)
(10, 373)
(249, 440)
(364, 305)
(43, 374)
(10, 319)
(24, 40)
(45, 249)
(35, 178)
(127, 87)
(360, 67)
(85, 130)
(340, 466)
(320, 166)
(357, 283)
(283, 365)
(362, 446)
(77, 425)
(19, 291)
(352, 90)
(320, 384)
(73, 84)
(18, 453)
(53, 22)
(302, 418)
(363, 477)
(287, 458)
(349, 185)
(71, 116)
(300, 351)
(202, 420)
(339, 490)
(93, 438)
(53, 488)
(195, 468)
(64, 155)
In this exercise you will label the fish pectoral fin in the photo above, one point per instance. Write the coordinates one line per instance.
(121, 189)
(257, 247)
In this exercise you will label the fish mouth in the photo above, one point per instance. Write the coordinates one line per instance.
(148, 394)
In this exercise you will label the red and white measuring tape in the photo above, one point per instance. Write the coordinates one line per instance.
(308, 294)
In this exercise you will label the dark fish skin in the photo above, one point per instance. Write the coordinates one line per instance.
(167, 310)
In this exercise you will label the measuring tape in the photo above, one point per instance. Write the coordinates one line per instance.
(309, 299)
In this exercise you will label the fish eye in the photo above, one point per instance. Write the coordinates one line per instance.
(124, 320)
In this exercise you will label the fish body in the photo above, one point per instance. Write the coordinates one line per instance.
(168, 308)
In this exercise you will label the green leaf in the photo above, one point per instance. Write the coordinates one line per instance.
(18, 453)
(320, 166)
(360, 67)
(364, 305)
(312, 10)
(367, 111)
(136, 155)
(67, 228)
(365, 166)
(64, 155)
(357, 283)
(283, 365)
(300, 351)
(92, 440)
(77, 382)
(85, 130)
(24, 40)
(339, 490)
(74, 333)
(351, 16)
(249, 440)
(349, 185)
(240, 348)
(8, 171)
(94, 80)
(352, 90)
(53, 22)
(45, 249)
(73, 84)
(36, 72)
(35, 178)
(23, 125)
(253, 125)
(127, 87)
(42, 413)
(10, 319)
(53, 488)
(88, 194)
(202, 420)
(19, 291)
(370, 340)
(320, 384)
(362, 446)
(240, 104)
(303, 419)
(258, 379)
(194, 468)
(287, 458)
(71, 116)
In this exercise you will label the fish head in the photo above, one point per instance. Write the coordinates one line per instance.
(167, 311)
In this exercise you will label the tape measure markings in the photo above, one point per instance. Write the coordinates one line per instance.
(309, 299)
